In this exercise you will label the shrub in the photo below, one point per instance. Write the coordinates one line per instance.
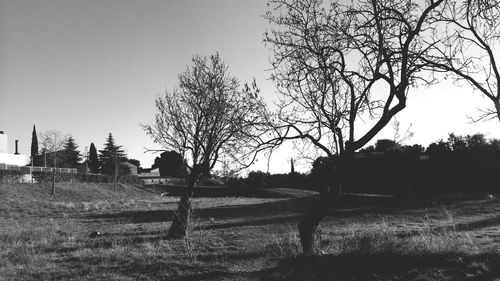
(10, 176)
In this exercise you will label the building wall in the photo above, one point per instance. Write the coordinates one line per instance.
(12, 159)
(3, 143)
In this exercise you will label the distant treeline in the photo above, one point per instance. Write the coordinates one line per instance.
(459, 164)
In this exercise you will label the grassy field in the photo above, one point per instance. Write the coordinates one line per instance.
(89, 232)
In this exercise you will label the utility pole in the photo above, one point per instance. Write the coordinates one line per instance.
(54, 174)
(31, 170)
(86, 159)
(116, 161)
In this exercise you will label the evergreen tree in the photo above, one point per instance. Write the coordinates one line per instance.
(110, 156)
(34, 146)
(70, 154)
(93, 160)
(171, 164)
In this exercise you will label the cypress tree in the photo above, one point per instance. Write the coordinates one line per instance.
(34, 145)
(93, 160)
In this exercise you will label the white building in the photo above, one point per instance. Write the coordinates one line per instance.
(154, 177)
(7, 158)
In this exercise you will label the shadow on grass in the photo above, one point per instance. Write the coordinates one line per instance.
(208, 267)
(219, 191)
(356, 205)
(487, 222)
(387, 267)
(286, 211)
(329, 267)
(282, 211)
(222, 212)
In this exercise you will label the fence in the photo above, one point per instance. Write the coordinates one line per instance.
(35, 174)
(29, 169)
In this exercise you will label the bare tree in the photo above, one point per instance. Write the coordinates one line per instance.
(206, 118)
(466, 45)
(336, 66)
(52, 142)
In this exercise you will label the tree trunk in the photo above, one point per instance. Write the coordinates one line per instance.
(53, 182)
(54, 176)
(309, 224)
(180, 221)
(115, 176)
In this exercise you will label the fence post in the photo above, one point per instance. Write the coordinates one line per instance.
(53, 181)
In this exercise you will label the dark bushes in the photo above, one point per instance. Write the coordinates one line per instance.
(469, 164)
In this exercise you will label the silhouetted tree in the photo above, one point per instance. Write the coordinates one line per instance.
(258, 179)
(367, 150)
(494, 145)
(327, 60)
(94, 163)
(463, 163)
(413, 151)
(206, 119)
(171, 164)
(70, 156)
(476, 142)
(438, 149)
(385, 145)
(34, 147)
(111, 157)
(324, 175)
(456, 143)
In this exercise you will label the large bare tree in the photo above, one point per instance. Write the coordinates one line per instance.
(466, 45)
(209, 116)
(343, 72)
(52, 141)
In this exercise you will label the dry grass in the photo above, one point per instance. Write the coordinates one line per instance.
(47, 238)
(382, 238)
(433, 236)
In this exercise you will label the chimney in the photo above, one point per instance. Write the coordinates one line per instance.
(17, 152)
(3, 142)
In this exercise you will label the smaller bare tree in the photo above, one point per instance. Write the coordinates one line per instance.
(208, 117)
(52, 142)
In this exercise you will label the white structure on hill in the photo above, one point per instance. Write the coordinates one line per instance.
(7, 158)
(154, 177)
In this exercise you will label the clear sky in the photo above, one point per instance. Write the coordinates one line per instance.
(89, 68)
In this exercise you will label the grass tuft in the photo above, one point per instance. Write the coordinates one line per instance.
(383, 238)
